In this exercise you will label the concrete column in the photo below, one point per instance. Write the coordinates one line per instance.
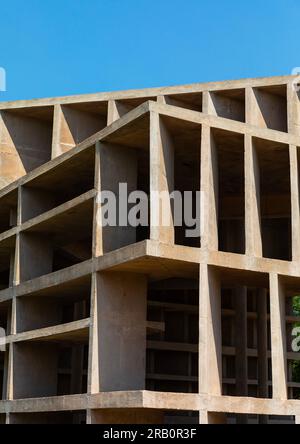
(210, 338)
(241, 361)
(161, 180)
(295, 213)
(5, 374)
(118, 343)
(10, 373)
(262, 343)
(112, 112)
(240, 293)
(253, 114)
(56, 134)
(207, 104)
(278, 337)
(262, 348)
(252, 201)
(93, 381)
(209, 188)
(293, 108)
(97, 244)
(77, 353)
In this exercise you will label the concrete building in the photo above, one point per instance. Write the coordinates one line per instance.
(145, 325)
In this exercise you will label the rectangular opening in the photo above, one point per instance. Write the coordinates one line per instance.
(124, 106)
(181, 151)
(63, 240)
(229, 104)
(2, 372)
(8, 210)
(191, 101)
(28, 136)
(172, 335)
(7, 262)
(5, 316)
(246, 348)
(80, 121)
(229, 165)
(51, 366)
(124, 170)
(73, 417)
(68, 180)
(62, 304)
(270, 107)
(275, 198)
(232, 418)
(181, 417)
(5, 327)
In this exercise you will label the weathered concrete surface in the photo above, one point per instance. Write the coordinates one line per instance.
(57, 155)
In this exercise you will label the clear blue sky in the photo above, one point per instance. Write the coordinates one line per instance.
(61, 47)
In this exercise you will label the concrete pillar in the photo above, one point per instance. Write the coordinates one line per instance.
(161, 180)
(252, 200)
(209, 188)
(240, 300)
(118, 343)
(262, 343)
(116, 109)
(278, 337)
(210, 338)
(293, 108)
(97, 243)
(262, 348)
(207, 104)
(77, 353)
(241, 361)
(5, 374)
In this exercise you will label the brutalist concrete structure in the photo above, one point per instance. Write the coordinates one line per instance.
(144, 325)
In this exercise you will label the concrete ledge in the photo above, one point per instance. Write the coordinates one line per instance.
(154, 400)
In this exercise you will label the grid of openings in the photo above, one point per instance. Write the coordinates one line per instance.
(85, 311)
(246, 347)
(172, 336)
